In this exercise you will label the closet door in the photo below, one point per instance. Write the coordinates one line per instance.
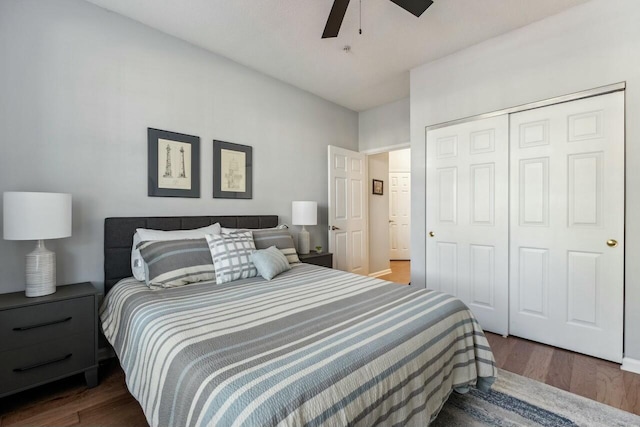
(467, 217)
(567, 225)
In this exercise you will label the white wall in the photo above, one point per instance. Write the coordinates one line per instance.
(591, 45)
(381, 128)
(378, 214)
(400, 160)
(78, 88)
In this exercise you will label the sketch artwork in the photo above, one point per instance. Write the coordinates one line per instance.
(233, 170)
(174, 154)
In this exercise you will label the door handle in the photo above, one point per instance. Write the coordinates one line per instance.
(612, 243)
(333, 227)
(432, 234)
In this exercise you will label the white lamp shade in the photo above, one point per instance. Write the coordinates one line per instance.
(36, 216)
(304, 213)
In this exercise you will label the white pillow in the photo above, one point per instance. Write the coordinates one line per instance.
(145, 235)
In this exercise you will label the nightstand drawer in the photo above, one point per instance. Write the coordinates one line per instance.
(20, 368)
(24, 326)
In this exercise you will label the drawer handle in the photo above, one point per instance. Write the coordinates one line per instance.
(48, 362)
(40, 325)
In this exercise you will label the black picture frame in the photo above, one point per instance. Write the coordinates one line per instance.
(184, 180)
(232, 170)
(378, 187)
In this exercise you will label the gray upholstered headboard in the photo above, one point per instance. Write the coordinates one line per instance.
(118, 236)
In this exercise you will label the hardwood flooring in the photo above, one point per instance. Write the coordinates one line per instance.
(69, 403)
(400, 272)
(593, 378)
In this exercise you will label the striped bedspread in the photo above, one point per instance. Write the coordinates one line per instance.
(312, 347)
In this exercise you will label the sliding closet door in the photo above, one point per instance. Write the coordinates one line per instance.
(567, 225)
(467, 216)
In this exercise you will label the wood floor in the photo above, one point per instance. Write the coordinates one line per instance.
(400, 272)
(70, 403)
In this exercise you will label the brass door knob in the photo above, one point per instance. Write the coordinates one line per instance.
(612, 243)
(432, 234)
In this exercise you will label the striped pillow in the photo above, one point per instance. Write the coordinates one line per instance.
(172, 263)
(270, 262)
(280, 238)
(231, 254)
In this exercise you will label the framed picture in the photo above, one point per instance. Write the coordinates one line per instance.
(174, 164)
(378, 187)
(232, 171)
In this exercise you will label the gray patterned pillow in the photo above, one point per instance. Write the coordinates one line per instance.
(172, 263)
(280, 238)
(270, 262)
(231, 254)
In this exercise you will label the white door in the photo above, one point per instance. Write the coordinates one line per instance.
(348, 210)
(467, 216)
(567, 202)
(399, 215)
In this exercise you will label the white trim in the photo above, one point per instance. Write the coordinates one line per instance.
(386, 149)
(602, 90)
(631, 365)
(381, 273)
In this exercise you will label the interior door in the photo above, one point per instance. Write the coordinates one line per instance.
(399, 215)
(567, 213)
(467, 216)
(348, 239)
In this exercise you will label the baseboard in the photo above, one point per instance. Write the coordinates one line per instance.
(380, 273)
(631, 365)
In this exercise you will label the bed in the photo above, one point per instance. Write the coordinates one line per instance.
(313, 346)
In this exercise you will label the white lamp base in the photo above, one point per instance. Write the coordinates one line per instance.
(303, 241)
(41, 271)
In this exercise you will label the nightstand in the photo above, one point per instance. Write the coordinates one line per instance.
(47, 338)
(323, 259)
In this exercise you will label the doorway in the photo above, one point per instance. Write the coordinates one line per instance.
(390, 215)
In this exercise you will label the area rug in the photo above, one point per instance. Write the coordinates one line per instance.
(518, 401)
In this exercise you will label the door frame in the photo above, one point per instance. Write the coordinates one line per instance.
(370, 152)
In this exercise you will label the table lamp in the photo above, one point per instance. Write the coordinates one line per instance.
(304, 213)
(37, 216)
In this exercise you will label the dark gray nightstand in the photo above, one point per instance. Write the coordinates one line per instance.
(47, 338)
(323, 259)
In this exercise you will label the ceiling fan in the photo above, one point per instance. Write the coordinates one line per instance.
(339, 8)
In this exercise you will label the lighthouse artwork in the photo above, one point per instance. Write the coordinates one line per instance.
(233, 167)
(174, 164)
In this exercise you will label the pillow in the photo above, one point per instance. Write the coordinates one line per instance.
(143, 234)
(280, 238)
(226, 230)
(270, 262)
(231, 254)
(173, 263)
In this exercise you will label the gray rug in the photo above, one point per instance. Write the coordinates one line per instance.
(518, 401)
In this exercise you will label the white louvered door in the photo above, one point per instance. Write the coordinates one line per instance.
(567, 205)
(467, 217)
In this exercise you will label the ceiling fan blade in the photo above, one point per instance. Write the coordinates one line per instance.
(336, 16)
(416, 7)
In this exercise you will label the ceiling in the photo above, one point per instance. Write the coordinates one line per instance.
(281, 38)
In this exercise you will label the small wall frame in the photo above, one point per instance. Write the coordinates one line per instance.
(232, 171)
(173, 164)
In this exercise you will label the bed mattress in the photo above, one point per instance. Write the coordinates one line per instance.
(314, 346)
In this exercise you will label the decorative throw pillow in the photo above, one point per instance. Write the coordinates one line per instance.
(231, 254)
(280, 238)
(270, 262)
(145, 234)
(172, 263)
